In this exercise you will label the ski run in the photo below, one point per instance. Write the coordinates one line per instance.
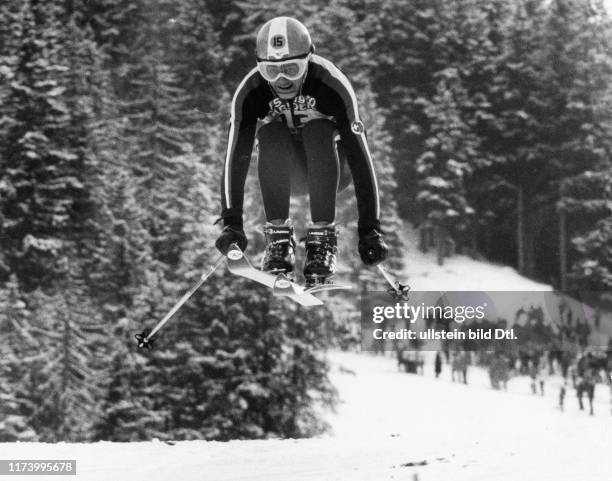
(389, 426)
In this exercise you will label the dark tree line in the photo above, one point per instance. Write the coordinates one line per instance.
(495, 109)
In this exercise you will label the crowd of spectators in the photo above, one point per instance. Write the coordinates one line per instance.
(546, 348)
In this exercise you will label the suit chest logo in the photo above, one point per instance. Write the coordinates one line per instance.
(294, 113)
(300, 103)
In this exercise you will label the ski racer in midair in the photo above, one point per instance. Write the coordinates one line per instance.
(304, 114)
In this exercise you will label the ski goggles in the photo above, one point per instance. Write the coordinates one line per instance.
(292, 69)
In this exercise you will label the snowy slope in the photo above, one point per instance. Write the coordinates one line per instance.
(472, 432)
(460, 273)
(390, 426)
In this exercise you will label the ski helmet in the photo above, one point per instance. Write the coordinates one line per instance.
(283, 38)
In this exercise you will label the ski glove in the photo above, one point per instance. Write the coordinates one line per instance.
(229, 235)
(372, 247)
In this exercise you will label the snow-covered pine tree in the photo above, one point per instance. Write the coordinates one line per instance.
(592, 270)
(70, 365)
(451, 152)
(51, 365)
(544, 123)
(44, 197)
(129, 406)
(586, 203)
(579, 47)
(50, 221)
(16, 344)
(402, 59)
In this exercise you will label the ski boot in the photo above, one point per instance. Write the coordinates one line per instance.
(321, 250)
(279, 257)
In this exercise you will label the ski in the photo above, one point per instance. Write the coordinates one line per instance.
(332, 286)
(283, 286)
(239, 264)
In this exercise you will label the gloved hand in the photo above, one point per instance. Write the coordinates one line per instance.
(229, 235)
(372, 247)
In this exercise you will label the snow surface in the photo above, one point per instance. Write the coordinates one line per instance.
(460, 273)
(390, 426)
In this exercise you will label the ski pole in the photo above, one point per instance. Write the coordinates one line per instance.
(398, 290)
(145, 338)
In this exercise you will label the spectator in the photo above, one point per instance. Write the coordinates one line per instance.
(438, 364)
(499, 371)
(533, 375)
(573, 373)
(459, 365)
(541, 373)
(610, 383)
(586, 385)
(562, 393)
